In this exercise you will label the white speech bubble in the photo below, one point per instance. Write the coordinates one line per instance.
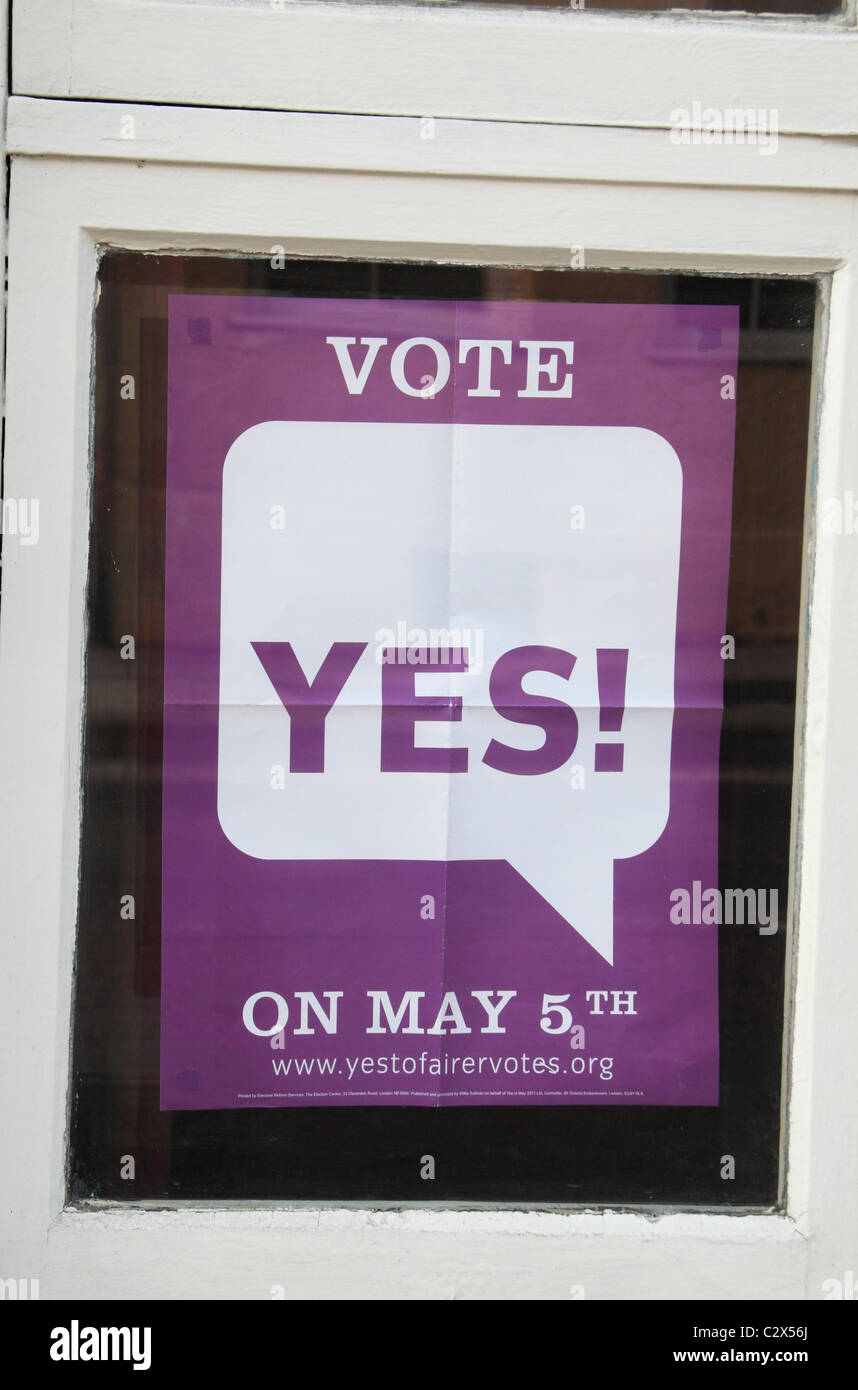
(512, 535)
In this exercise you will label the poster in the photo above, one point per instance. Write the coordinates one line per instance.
(445, 596)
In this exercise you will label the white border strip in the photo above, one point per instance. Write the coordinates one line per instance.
(568, 66)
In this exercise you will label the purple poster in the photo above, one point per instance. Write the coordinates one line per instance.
(445, 597)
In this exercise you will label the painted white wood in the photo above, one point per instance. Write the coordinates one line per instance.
(390, 1255)
(404, 145)
(475, 219)
(823, 1194)
(573, 67)
(62, 209)
(41, 669)
(43, 34)
(4, 95)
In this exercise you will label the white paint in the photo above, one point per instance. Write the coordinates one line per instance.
(570, 66)
(4, 32)
(498, 149)
(352, 1254)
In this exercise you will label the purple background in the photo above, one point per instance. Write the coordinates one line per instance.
(233, 925)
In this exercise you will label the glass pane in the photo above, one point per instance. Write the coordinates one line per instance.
(676, 1103)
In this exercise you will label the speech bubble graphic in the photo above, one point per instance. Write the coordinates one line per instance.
(453, 536)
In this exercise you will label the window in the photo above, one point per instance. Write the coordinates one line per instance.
(612, 1153)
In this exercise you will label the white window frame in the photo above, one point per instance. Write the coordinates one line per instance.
(488, 191)
(572, 67)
